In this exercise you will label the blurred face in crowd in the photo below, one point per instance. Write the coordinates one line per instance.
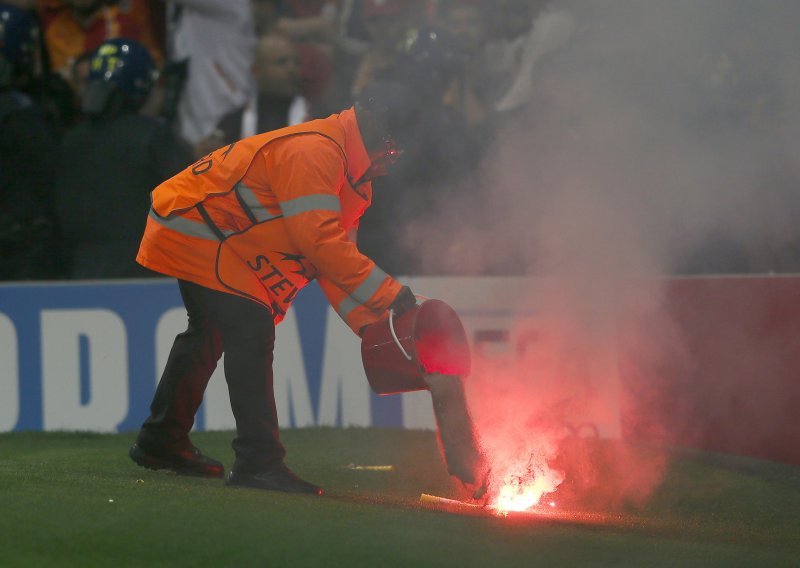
(277, 67)
(387, 26)
(466, 22)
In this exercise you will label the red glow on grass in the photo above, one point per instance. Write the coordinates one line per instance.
(539, 411)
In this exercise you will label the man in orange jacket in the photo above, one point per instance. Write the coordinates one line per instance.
(243, 230)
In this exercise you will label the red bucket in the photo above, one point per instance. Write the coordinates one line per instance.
(398, 352)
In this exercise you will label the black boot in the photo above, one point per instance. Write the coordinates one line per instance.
(275, 477)
(186, 461)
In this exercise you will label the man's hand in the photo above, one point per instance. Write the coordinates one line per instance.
(404, 301)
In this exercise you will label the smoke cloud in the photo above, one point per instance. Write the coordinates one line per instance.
(657, 131)
(661, 138)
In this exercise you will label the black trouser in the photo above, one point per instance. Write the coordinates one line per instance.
(245, 332)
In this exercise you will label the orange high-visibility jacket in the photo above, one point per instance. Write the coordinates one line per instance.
(264, 216)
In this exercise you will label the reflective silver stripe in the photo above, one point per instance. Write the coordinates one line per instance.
(316, 202)
(362, 294)
(346, 306)
(369, 286)
(187, 227)
(253, 204)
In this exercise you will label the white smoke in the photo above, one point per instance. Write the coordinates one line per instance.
(662, 138)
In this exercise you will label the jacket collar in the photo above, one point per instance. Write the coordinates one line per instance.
(357, 157)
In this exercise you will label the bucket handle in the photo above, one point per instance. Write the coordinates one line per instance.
(394, 336)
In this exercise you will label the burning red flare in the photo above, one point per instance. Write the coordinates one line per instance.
(522, 487)
(516, 497)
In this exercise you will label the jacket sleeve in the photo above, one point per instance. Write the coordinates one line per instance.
(307, 174)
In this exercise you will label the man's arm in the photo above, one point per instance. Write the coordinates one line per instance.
(307, 174)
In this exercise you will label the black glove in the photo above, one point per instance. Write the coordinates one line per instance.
(404, 301)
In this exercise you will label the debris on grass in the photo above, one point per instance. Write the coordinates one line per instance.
(370, 467)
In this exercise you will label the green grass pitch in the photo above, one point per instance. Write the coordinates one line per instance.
(70, 499)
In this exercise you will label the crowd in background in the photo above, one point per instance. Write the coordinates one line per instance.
(76, 198)
(230, 69)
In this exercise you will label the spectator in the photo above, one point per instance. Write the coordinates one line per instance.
(349, 47)
(27, 158)
(311, 25)
(50, 91)
(520, 50)
(466, 22)
(387, 22)
(73, 27)
(328, 55)
(56, 98)
(218, 39)
(109, 163)
(80, 75)
(435, 61)
(277, 101)
(445, 152)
